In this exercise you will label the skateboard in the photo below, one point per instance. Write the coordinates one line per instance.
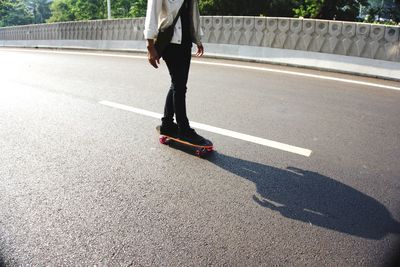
(199, 150)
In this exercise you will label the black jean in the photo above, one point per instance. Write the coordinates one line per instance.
(177, 58)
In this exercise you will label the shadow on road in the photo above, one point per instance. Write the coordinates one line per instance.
(2, 263)
(312, 198)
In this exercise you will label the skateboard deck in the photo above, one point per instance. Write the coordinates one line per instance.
(199, 150)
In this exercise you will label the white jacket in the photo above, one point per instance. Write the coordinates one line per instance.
(161, 13)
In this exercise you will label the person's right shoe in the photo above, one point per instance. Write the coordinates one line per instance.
(189, 135)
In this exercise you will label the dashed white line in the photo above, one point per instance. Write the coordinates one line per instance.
(229, 133)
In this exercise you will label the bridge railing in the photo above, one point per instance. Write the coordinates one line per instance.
(358, 48)
(119, 29)
(333, 37)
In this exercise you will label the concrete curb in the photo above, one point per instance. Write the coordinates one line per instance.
(303, 59)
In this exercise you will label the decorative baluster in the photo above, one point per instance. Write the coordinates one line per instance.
(225, 37)
(217, 29)
(238, 30)
(392, 43)
(321, 30)
(362, 32)
(348, 31)
(308, 31)
(335, 29)
(294, 36)
(271, 28)
(207, 24)
(377, 33)
(283, 27)
(248, 31)
(141, 28)
(259, 26)
(135, 32)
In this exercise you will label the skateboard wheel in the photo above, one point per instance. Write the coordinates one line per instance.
(201, 152)
(163, 140)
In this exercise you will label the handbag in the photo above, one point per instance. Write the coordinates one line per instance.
(164, 36)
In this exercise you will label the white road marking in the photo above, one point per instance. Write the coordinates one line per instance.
(323, 77)
(241, 136)
(300, 74)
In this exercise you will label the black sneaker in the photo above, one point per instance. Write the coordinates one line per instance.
(170, 129)
(190, 136)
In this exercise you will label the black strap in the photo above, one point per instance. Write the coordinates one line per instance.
(178, 15)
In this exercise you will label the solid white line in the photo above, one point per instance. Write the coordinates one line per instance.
(75, 53)
(222, 65)
(244, 137)
(299, 74)
(131, 109)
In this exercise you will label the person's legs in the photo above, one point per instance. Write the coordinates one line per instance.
(169, 108)
(177, 58)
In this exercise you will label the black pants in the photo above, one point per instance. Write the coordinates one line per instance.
(177, 58)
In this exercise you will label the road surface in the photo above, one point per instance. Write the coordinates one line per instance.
(306, 170)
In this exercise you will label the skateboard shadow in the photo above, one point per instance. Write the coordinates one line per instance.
(312, 198)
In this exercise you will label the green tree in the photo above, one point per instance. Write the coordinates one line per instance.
(89, 9)
(62, 10)
(232, 8)
(4, 7)
(121, 8)
(281, 8)
(308, 9)
(40, 10)
(394, 11)
(207, 7)
(67, 10)
(70, 10)
(138, 9)
(14, 12)
(347, 10)
(385, 9)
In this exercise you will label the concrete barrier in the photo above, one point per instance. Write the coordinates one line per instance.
(360, 48)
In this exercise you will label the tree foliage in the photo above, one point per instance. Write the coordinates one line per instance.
(14, 12)
(383, 10)
(89, 9)
(40, 10)
(64, 10)
(347, 10)
(18, 12)
(247, 7)
(138, 9)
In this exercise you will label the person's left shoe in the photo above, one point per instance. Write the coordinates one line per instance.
(169, 129)
(190, 135)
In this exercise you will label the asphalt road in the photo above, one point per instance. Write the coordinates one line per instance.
(83, 183)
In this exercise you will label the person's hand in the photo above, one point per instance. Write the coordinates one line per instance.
(153, 57)
(200, 50)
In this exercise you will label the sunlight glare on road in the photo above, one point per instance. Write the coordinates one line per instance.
(11, 94)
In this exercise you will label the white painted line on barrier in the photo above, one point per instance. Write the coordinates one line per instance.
(222, 65)
(244, 137)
